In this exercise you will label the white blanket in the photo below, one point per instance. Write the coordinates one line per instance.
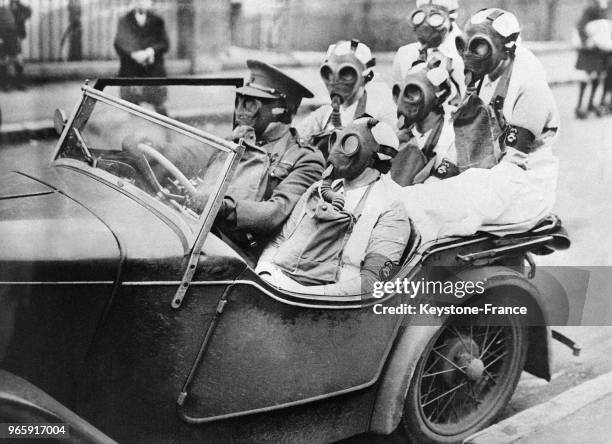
(503, 200)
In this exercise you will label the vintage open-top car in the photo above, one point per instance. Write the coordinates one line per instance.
(126, 315)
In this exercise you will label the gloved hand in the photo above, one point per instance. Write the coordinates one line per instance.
(199, 200)
(245, 132)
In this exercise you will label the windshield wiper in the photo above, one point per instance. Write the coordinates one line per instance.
(90, 159)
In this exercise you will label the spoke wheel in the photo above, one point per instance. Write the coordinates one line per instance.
(464, 379)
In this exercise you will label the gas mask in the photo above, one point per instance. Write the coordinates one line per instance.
(365, 143)
(268, 97)
(347, 68)
(258, 113)
(422, 91)
(491, 37)
(431, 25)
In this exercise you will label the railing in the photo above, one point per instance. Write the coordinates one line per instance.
(280, 25)
(54, 26)
(383, 24)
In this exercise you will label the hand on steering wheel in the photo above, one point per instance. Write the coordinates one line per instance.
(143, 149)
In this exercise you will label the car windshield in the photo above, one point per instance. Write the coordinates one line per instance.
(142, 152)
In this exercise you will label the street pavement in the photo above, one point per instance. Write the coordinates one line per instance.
(580, 415)
(586, 209)
(589, 425)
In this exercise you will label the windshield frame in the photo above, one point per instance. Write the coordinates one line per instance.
(200, 225)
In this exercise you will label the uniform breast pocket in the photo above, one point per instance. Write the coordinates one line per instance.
(280, 171)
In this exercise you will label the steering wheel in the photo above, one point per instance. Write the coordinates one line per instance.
(143, 148)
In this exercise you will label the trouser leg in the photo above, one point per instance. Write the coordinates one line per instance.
(607, 90)
(594, 87)
(581, 113)
(19, 77)
(4, 79)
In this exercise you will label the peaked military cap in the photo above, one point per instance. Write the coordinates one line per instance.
(269, 82)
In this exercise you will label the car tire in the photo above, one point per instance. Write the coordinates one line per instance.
(487, 381)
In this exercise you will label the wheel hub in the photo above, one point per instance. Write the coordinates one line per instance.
(474, 367)
(463, 354)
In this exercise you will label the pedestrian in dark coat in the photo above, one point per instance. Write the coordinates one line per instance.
(141, 43)
(21, 13)
(591, 59)
(9, 47)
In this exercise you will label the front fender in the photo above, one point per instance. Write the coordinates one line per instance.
(21, 402)
(412, 340)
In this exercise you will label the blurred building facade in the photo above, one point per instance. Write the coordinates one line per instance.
(85, 29)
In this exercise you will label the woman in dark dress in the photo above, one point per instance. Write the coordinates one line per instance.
(591, 60)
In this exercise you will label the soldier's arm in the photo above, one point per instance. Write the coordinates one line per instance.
(268, 216)
(290, 225)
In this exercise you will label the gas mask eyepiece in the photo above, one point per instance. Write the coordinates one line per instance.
(435, 19)
(431, 25)
(365, 143)
(347, 68)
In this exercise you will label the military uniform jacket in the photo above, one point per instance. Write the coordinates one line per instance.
(293, 167)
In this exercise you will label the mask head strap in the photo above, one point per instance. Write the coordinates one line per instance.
(500, 22)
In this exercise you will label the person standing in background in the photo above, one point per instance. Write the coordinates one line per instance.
(434, 24)
(141, 43)
(9, 50)
(591, 58)
(21, 13)
(8, 45)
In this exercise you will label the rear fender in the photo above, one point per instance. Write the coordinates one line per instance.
(22, 402)
(548, 306)
(389, 404)
(412, 341)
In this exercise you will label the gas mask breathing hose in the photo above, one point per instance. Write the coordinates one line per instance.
(334, 198)
(335, 115)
